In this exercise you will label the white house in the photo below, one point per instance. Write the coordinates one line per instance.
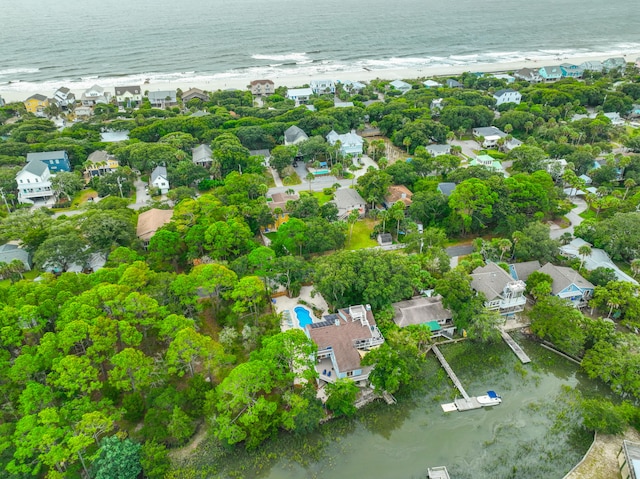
(401, 86)
(353, 86)
(350, 143)
(502, 292)
(437, 150)
(594, 66)
(34, 182)
(159, 179)
(431, 84)
(507, 96)
(527, 74)
(128, 96)
(299, 95)
(323, 87)
(95, 95)
(162, 99)
(491, 135)
(63, 97)
(436, 105)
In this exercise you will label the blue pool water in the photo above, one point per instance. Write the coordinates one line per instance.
(303, 316)
(321, 172)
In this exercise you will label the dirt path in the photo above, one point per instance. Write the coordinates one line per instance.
(602, 460)
(181, 454)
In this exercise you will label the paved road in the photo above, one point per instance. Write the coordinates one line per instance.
(462, 250)
(573, 216)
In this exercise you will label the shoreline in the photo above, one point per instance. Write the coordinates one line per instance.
(13, 93)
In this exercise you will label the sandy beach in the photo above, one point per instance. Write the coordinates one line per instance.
(19, 92)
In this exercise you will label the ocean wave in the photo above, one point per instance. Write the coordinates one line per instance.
(17, 71)
(295, 57)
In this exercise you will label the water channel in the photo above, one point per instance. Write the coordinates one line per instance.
(534, 433)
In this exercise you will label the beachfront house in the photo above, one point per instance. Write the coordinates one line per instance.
(402, 86)
(431, 84)
(529, 75)
(503, 76)
(128, 96)
(55, 160)
(151, 221)
(34, 183)
(425, 311)
(202, 155)
(507, 96)
(571, 71)
(569, 284)
(36, 104)
(550, 73)
(300, 95)
(278, 207)
(100, 162)
(613, 63)
(501, 291)
(96, 95)
(352, 86)
(64, 98)
(12, 252)
(437, 150)
(262, 87)
(343, 339)
(348, 200)
(488, 162)
(194, 94)
(446, 188)
(159, 179)
(593, 65)
(350, 143)
(294, 135)
(397, 193)
(162, 99)
(323, 87)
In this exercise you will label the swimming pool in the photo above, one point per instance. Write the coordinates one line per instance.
(321, 172)
(303, 315)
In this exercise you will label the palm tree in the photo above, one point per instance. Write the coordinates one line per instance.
(628, 184)
(584, 251)
(384, 216)
(310, 177)
(635, 267)
(406, 141)
(382, 163)
(504, 245)
(352, 219)
(290, 191)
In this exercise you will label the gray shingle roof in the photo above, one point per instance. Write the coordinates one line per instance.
(490, 280)
(563, 277)
(294, 134)
(524, 270)
(10, 252)
(38, 97)
(99, 156)
(157, 172)
(446, 188)
(46, 155)
(35, 167)
(121, 90)
(201, 153)
(419, 311)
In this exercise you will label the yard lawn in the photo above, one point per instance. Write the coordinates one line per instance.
(588, 214)
(322, 198)
(361, 237)
(28, 275)
(82, 197)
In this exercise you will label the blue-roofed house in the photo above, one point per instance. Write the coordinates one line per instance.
(55, 160)
(569, 284)
(571, 71)
(550, 73)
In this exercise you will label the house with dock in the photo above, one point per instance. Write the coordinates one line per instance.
(503, 293)
(343, 339)
(569, 284)
(425, 311)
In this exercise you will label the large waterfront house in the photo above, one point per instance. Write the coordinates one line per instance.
(613, 63)
(503, 293)
(401, 86)
(151, 221)
(96, 95)
(34, 183)
(194, 94)
(597, 259)
(507, 96)
(36, 104)
(527, 74)
(159, 179)
(278, 207)
(593, 65)
(100, 162)
(162, 99)
(323, 87)
(503, 76)
(437, 150)
(299, 95)
(294, 135)
(348, 200)
(343, 339)
(550, 73)
(56, 160)
(202, 155)
(352, 86)
(350, 143)
(262, 87)
(569, 284)
(571, 71)
(128, 96)
(425, 311)
(64, 98)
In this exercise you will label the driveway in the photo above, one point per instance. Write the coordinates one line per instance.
(469, 147)
(461, 250)
(572, 216)
(142, 197)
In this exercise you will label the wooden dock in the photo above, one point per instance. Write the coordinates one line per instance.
(515, 347)
(450, 373)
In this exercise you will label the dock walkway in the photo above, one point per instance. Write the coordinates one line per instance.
(452, 375)
(515, 347)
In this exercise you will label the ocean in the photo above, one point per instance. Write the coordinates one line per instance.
(45, 44)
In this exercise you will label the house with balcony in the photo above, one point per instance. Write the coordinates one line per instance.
(425, 311)
(569, 284)
(202, 155)
(507, 96)
(352, 86)
(529, 75)
(613, 63)
(323, 87)
(300, 95)
(593, 65)
(194, 94)
(64, 98)
(36, 104)
(262, 87)
(488, 162)
(162, 99)
(489, 134)
(550, 73)
(56, 160)
(128, 96)
(34, 183)
(350, 143)
(343, 339)
(570, 70)
(100, 163)
(96, 95)
(502, 293)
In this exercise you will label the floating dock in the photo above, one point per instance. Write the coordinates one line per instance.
(439, 472)
(466, 402)
(515, 347)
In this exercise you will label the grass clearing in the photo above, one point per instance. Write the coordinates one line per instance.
(321, 197)
(361, 237)
(588, 214)
(28, 275)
